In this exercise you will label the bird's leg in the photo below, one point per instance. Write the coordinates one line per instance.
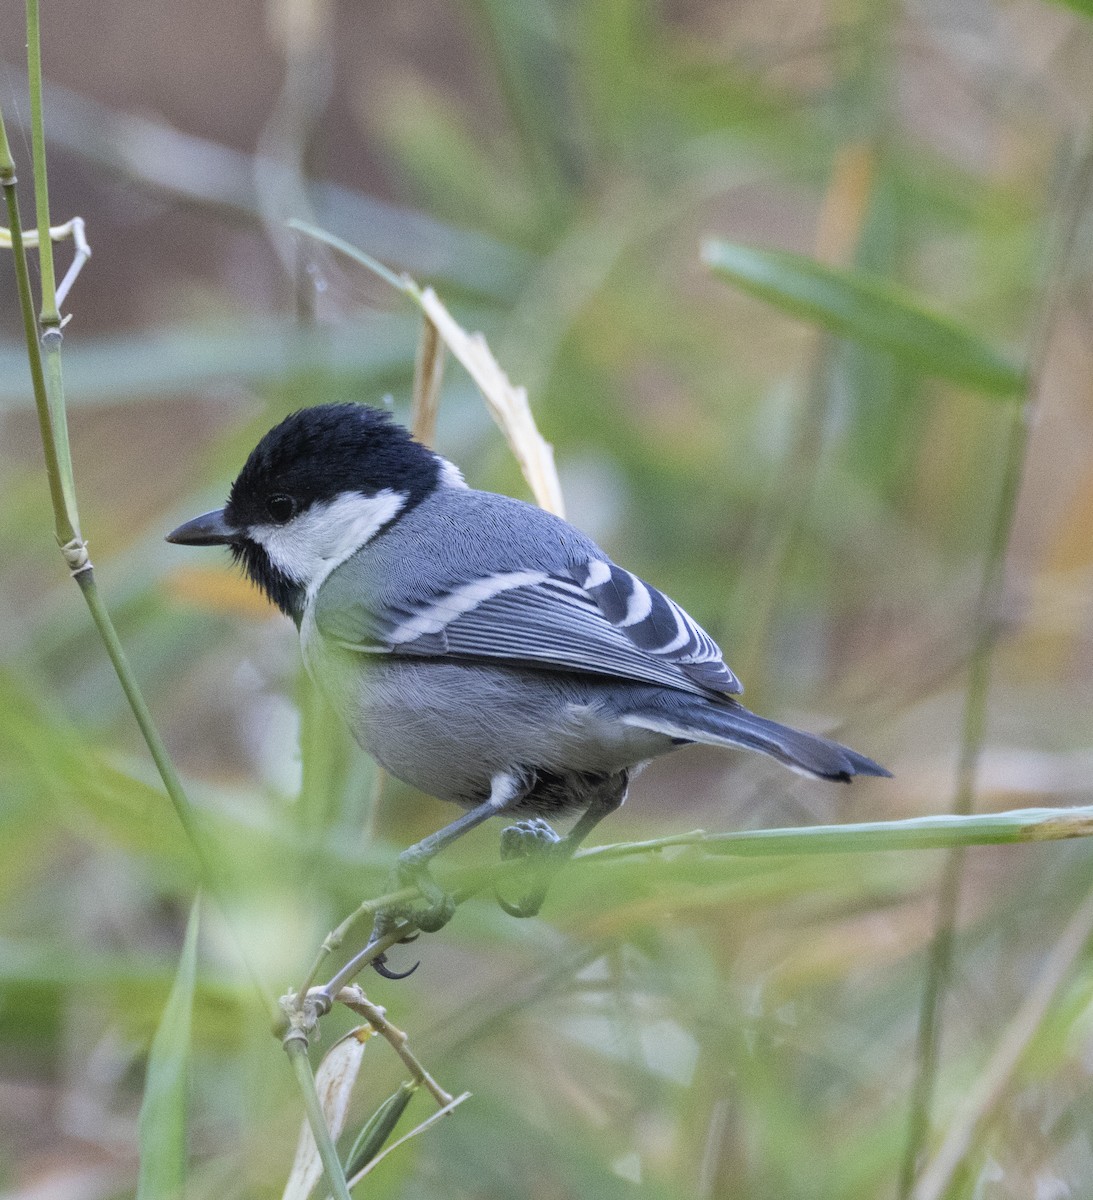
(536, 839)
(412, 868)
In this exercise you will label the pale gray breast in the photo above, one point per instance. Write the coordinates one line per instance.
(448, 728)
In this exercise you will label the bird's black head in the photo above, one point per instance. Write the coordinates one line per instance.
(315, 489)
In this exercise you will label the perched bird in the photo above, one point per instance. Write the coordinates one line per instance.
(482, 650)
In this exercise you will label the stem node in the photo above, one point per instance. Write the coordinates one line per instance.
(76, 556)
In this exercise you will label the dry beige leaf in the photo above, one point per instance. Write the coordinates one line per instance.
(428, 374)
(508, 405)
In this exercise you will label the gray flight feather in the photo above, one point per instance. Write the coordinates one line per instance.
(474, 576)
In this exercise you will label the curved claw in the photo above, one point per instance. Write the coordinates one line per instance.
(527, 906)
(436, 916)
(379, 965)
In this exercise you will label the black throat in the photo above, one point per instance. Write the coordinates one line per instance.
(287, 593)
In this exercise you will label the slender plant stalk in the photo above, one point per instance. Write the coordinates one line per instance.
(50, 317)
(985, 1096)
(43, 342)
(116, 652)
(915, 833)
(988, 623)
(64, 518)
(48, 385)
(51, 417)
(940, 961)
(296, 1049)
(940, 832)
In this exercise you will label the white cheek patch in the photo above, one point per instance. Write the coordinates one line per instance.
(311, 545)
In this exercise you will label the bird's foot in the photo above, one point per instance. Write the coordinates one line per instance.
(436, 910)
(436, 907)
(533, 839)
(527, 838)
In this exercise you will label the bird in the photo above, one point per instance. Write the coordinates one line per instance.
(480, 649)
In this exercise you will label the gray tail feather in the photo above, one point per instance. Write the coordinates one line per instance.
(730, 724)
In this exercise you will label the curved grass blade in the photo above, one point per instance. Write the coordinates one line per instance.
(163, 1110)
(868, 310)
(507, 405)
(378, 1128)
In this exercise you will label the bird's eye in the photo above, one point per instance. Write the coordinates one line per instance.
(280, 508)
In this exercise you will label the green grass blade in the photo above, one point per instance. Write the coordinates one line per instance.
(1085, 7)
(378, 1128)
(868, 310)
(938, 831)
(163, 1111)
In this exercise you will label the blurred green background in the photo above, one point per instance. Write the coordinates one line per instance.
(670, 1028)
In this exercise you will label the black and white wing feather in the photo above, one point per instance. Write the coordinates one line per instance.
(656, 624)
(595, 618)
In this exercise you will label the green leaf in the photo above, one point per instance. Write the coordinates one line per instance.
(868, 310)
(378, 1128)
(1085, 7)
(163, 1110)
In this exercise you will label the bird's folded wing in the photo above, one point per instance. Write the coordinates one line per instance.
(596, 618)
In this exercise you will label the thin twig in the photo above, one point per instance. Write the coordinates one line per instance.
(942, 831)
(74, 229)
(79, 258)
(336, 936)
(355, 999)
(64, 516)
(50, 317)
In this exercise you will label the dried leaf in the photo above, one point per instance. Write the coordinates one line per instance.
(508, 405)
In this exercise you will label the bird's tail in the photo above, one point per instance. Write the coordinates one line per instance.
(726, 723)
